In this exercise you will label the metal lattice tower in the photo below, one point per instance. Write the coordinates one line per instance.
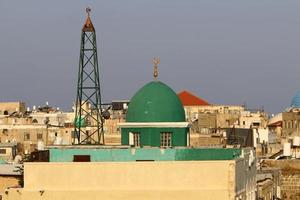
(88, 115)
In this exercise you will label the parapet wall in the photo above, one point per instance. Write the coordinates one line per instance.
(172, 180)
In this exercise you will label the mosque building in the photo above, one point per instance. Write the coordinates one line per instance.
(291, 118)
(155, 118)
(154, 161)
(156, 133)
(287, 123)
(295, 103)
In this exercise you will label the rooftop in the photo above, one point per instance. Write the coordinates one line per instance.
(188, 99)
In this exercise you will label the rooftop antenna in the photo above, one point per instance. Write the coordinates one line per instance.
(88, 119)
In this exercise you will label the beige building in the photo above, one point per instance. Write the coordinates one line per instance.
(211, 118)
(7, 108)
(290, 124)
(8, 151)
(214, 179)
(46, 126)
(275, 125)
(254, 119)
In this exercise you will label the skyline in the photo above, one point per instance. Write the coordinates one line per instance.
(213, 49)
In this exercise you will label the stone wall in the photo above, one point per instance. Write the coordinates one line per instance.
(290, 185)
(6, 108)
(290, 177)
(199, 140)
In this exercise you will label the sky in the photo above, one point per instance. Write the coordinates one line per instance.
(226, 52)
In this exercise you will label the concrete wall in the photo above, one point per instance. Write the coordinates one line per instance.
(100, 154)
(128, 180)
(198, 140)
(246, 175)
(8, 181)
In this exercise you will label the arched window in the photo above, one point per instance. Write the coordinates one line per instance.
(5, 112)
(35, 121)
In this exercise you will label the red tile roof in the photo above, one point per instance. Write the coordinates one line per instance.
(188, 99)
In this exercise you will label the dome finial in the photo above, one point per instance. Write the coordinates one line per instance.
(155, 62)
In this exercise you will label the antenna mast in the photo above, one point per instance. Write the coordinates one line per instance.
(88, 113)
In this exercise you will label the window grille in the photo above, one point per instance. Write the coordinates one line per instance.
(165, 139)
(136, 139)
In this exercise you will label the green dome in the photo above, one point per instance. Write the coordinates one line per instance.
(155, 102)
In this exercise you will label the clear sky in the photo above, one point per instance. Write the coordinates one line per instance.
(227, 52)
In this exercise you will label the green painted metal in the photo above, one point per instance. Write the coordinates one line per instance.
(151, 136)
(140, 154)
(88, 89)
(155, 102)
(79, 122)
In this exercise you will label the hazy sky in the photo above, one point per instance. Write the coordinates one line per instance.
(227, 52)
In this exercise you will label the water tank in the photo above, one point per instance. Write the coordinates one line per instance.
(296, 141)
(287, 149)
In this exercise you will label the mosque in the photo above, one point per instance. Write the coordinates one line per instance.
(154, 161)
(155, 118)
(290, 118)
(295, 103)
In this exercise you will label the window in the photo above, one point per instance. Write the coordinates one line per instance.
(165, 139)
(227, 122)
(136, 139)
(39, 136)
(255, 123)
(81, 158)
(34, 121)
(2, 151)
(144, 160)
(244, 123)
(26, 136)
